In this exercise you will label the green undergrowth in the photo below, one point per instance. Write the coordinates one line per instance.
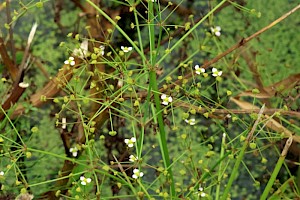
(140, 118)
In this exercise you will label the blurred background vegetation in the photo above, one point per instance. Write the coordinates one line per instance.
(270, 58)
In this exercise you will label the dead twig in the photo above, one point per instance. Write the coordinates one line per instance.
(235, 46)
(8, 62)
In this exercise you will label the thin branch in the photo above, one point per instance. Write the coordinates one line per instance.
(11, 34)
(178, 8)
(179, 31)
(236, 46)
(12, 69)
(267, 111)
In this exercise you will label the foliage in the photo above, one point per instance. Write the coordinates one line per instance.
(149, 99)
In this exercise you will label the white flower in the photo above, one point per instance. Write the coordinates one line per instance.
(166, 99)
(1, 173)
(23, 85)
(190, 121)
(130, 142)
(154, 0)
(70, 61)
(199, 70)
(126, 49)
(99, 50)
(84, 180)
(63, 123)
(132, 158)
(102, 49)
(83, 50)
(74, 151)
(215, 72)
(216, 30)
(201, 193)
(136, 174)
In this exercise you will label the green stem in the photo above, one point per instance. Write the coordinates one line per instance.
(276, 169)
(191, 30)
(221, 169)
(12, 125)
(154, 87)
(241, 155)
(162, 133)
(118, 28)
(235, 170)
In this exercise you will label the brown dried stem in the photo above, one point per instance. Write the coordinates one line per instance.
(226, 111)
(12, 69)
(237, 45)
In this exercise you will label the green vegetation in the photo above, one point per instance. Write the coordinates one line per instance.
(141, 99)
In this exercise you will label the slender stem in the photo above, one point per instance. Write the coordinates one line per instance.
(241, 155)
(191, 30)
(221, 169)
(154, 87)
(118, 28)
(13, 126)
(276, 169)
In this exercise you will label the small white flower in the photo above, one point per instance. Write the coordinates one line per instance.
(201, 193)
(99, 50)
(63, 123)
(154, 0)
(216, 73)
(132, 158)
(130, 142)
(83, 50)
(23, 85)
(166, 99)
(136, 174)
(102, 49)
(216, 30)
(190, 121)
(126, 49)
(70, 61)
(74, 151)
(84, 180)
(1, 173)
(199, 70)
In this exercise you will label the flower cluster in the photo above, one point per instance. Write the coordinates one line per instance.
(216, 31)
(74, 151)
(126, 49)
(85, 181)
(215, 72)
(137, 174)
(190, 121)
(100, 50)
(166, 99)
(83, 50)
(199, 70)
(133, 158)
(70, 61)
(130, 142)
(201, 192)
